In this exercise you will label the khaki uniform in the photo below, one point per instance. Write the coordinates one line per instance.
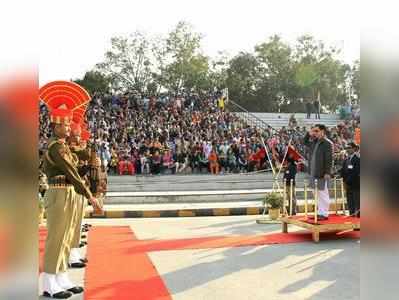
(60, 204)
(81, 201)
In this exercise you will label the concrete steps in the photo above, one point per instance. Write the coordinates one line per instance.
(172, 189)
(279, 120)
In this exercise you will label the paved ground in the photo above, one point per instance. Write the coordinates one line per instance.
(328, 270)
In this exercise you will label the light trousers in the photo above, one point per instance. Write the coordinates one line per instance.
(324, 201)
(60, 205)
(77, 223)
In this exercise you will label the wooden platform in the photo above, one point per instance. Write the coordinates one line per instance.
(334, 223)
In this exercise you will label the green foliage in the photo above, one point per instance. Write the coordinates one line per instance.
(275, 76)
(186, 66)
(306, 75)
(94, 81)
(274, 200)
(355, 79)
(242, 75)
(130, 61)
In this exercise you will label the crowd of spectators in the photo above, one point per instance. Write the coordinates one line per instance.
(188, 133)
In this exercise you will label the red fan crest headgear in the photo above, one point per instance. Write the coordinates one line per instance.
(65, 100)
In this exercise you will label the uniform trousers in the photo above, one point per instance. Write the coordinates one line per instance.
(353, 197)
(81, 203)
(60, 205)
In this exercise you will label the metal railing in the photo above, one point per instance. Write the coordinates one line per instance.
(250, 118)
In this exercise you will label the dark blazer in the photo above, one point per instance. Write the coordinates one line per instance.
(324, 157)
(290, 171)
(350, 172)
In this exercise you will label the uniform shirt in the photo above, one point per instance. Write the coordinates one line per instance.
(59, 161)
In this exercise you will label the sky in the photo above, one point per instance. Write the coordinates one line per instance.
(74, 35)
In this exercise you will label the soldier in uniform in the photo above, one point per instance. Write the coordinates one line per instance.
(81, 154)
(64, 184)
(350, 173)
(290, 174)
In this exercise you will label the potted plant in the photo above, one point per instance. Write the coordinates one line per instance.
(273, 201)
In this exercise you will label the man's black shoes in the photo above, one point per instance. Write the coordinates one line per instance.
(59, 295)
(77, 265)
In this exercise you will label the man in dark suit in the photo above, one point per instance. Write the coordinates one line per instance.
(320, 166)
(350, 173)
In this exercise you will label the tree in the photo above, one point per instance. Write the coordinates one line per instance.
(94, 81)
(130, 61)
(242, 75)
(319, 73)
(186, 66)
(355, 79)
(275, 64)
(218, 71)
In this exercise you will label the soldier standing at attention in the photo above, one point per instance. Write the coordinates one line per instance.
(64, 184)
(81, 155)
(350, 173)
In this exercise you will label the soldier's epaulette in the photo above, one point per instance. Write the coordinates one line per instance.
(77, 148)
(58, 141)
(54, 142)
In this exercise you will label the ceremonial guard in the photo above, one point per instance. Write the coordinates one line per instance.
(350, 174)
(81, 155)
(62, 99)
(290, 171)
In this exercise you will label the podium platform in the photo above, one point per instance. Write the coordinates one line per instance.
(335, 223)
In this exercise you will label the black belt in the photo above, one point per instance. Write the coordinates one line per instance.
(59, 180)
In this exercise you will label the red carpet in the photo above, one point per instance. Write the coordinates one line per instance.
(119, 267)
(235, 241)
(114, 273)
(332, 219)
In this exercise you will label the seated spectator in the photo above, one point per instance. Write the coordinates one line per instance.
(114, 161)
(213, 163)
(145, 160)
(252, 160)
(181, 161)
(231, 161)
(167, 161)
(156, 163)
(203, 162)
(243, 162)
(223, 156)
(125, 167)
(195, 160)
(260, 158)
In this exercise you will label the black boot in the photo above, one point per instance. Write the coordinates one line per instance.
(59, 295)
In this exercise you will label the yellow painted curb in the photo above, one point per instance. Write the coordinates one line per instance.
(151, 214)
(186, 213)
(221, 211)
(115, 214)
(253, 211)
